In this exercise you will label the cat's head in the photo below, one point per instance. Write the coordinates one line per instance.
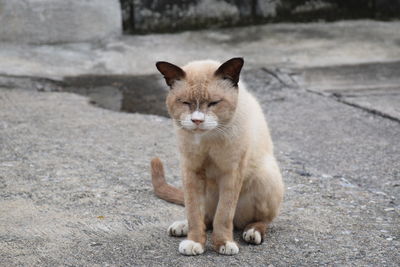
(203, 94)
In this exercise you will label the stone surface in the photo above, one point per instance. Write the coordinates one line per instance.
(75, 181)
(384, 103)
(75, 184)
(387, 8)
(283, 45)
(347, 60)
(171, 15)
(374, 86)
(344, 79)
(166, 16)
(59, 21)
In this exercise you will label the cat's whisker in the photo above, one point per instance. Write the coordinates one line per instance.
(223, 132)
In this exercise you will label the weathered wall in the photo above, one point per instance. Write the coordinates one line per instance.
(59, 21)
(171, 15)
(387, 8)
(63, 21)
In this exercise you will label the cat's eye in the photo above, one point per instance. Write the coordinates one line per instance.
(213, 103)
(184, 102)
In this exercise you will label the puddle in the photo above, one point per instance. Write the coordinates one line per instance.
(137, 94)
(127, 93)
(143, 94)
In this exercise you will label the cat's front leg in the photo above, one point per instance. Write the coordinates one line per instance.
(194, 190)
(222, 236)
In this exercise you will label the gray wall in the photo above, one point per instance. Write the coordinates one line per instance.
(171, 15)
(59, 21)
(63, 21)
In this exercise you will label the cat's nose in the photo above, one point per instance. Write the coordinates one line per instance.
(197, 117)
(197, 122)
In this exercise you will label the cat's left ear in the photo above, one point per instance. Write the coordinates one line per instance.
(170, 71)
(231, 69)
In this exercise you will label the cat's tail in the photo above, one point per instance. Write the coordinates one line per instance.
(161, 188)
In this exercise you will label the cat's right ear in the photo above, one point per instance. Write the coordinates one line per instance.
(170, 71)
(231, 70)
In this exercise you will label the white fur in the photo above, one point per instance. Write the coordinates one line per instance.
(230, 248)
(197, 138)
(190, 248)
(178, 228)
(187, 123)
(252, 236)
(210, 122)
(198, 115)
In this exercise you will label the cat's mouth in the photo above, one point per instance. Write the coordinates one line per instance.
(205, 128)
(198, 129)
(194, 127)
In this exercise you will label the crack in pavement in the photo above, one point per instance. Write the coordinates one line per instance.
(286, 79)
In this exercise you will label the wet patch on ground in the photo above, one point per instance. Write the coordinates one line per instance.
(363, 86)
(135, 94)
(143, 94)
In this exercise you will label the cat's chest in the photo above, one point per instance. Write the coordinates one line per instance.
(202, 158)
(205, 152)
(210, 156)
(198, 146)
(211, 170)
(214, 164)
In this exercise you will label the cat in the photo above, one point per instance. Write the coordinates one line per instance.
(230, 175)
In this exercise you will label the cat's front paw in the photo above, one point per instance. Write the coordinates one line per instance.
(190, 248)
(178, 228)
(229, 248)
(252, 236)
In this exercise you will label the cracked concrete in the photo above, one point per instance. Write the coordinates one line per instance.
(74, 178)
(374, 87)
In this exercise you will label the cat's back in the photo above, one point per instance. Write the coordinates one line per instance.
(252, 117)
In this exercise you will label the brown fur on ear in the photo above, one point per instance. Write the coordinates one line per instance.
(231, 69)
(170, 71)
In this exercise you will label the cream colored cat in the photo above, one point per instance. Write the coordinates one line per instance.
(230, 175)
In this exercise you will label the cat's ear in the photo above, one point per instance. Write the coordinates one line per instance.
(231, 70)
(171, 72)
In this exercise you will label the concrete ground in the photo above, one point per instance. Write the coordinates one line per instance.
(74, 178)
